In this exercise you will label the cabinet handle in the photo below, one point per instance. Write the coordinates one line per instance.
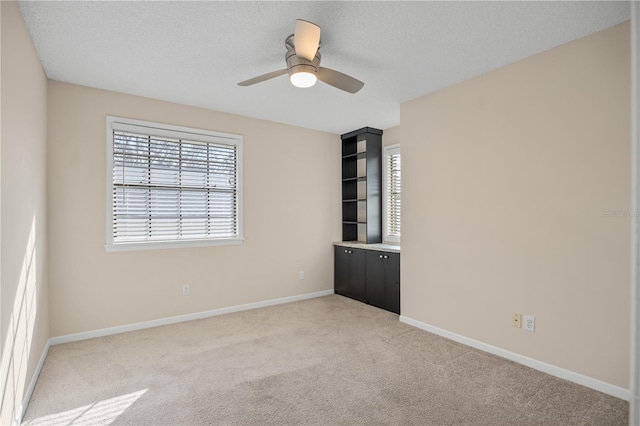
(380, 256)
(386, 257)
(346, 251)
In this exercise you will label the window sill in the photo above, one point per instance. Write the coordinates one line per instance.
(159, 245)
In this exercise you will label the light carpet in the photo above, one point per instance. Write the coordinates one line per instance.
(324, 361)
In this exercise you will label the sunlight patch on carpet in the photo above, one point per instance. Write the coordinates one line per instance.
(99, 413)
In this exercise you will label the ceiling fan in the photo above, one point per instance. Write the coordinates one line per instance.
(303, 62)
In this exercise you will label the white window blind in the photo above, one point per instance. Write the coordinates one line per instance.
(170, 185)
(393, 191)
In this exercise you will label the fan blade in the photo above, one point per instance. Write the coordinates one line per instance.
(306, 38)
(263, 77)
(339, 80)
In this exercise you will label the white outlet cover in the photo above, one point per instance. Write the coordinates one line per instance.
(528, 323)
(301, 275)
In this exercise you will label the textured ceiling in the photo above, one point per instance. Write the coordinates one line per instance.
(195, 53)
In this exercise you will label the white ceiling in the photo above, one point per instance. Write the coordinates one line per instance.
(195, 53)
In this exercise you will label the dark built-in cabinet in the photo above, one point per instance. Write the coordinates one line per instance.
(362, 186)
(366, 275)
(382, 278)
(369, 276)
(350, 273)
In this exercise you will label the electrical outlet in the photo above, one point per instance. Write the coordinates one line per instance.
(186, 290)
(529, 322)
(516, 320)
(301, 275)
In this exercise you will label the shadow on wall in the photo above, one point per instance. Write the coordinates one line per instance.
(17, 346)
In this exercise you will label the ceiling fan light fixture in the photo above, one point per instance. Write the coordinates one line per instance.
(303, 78)
(303, 62)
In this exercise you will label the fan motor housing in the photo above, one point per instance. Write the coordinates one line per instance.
(297, 64)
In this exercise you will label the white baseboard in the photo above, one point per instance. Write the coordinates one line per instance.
(561, 373)
(181, 318)
(32, 384)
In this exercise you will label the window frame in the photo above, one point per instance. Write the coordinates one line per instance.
(389, 150)
(179, 132)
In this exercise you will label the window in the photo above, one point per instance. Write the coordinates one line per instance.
(392, 193)
(170, 186)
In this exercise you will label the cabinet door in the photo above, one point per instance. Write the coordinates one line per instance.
(392, 282)
(341, 271)
(357, 286)
(375, 277)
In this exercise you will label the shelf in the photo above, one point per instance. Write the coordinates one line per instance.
(357, 155)
(361, 185)
(358, 178)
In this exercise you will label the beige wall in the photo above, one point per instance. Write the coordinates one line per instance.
(291, 217)
(391, 136)
(24, 313)
(507, 178)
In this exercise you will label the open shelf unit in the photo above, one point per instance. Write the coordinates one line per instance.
(362, 186)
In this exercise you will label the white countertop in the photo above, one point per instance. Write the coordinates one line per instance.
(377, 246)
